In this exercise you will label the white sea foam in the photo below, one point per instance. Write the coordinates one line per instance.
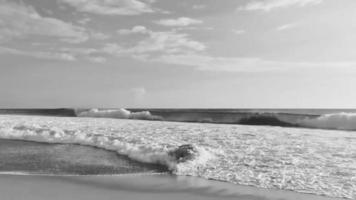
(303, 160)
(117, 113)
(122, 144)
(337, 121)
(340, 121)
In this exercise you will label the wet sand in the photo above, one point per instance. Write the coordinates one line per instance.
(137, 180)
(38, 187)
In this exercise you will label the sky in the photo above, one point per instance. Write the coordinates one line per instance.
(178, 54)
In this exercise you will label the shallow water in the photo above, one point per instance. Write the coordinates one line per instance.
(304, 160)
(22, 157)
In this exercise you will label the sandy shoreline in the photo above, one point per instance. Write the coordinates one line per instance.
(133, 187)
(146, 139)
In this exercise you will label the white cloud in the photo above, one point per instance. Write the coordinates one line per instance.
(211, 63)
(85, 20)
(168, 42)
(135, 29)
(268, 5)
(18, 20)
(238, 64)
(99, 35)
(156, 42)
(38, 54)
(199, 7)
(111, 7)
(238, 31)
(97, 59)
(286, 27)
(182, 21)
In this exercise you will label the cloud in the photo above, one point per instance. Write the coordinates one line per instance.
(85, 20)
(238, 31)
(182, 21)
(111, 7)
(214, 63)
(99, 35)
(168, 42)
(156, 42)
(286, 27)
(199, 6)
(135, 29)
(268, 5)
(97, 59)
(244, 64)
(38, 54)
(19, 20)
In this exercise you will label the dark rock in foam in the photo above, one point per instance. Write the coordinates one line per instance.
(183, 153)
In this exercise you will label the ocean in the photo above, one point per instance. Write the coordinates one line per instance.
(307, 151)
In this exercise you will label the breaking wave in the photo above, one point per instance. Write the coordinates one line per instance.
(177, 159)
(303, 160)
(268, 120)
(337, 121)
(340, 121)
(117, 113)
(290, 118)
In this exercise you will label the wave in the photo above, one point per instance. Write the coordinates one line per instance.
(340, 121)
(62, 112)
(266, 157)
(268, 120)
(177, 159)
(117, 113)
(337, 121)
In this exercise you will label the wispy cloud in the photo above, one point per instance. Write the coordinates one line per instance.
(286, 27)
(214, 63)
(135, 29)
(238, 31)
(111, 7)
(156, 42)
(182, 21)
(38, 54)
(268, 5)
(245, 64)
(199, 6)
(97, 59)
(19, 20)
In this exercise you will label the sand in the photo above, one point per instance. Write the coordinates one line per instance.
(38, 187)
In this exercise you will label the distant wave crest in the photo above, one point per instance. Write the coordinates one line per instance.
(340, 121)
(337, 121)
(117, 113)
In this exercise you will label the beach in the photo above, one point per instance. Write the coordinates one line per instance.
(118, 157)
(178, 100)
(135, 187)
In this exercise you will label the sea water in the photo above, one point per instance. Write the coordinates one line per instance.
(315, 161)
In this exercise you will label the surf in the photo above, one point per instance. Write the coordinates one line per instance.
(337, 121)
(299, 118)
(173, 158)
(260, 156)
